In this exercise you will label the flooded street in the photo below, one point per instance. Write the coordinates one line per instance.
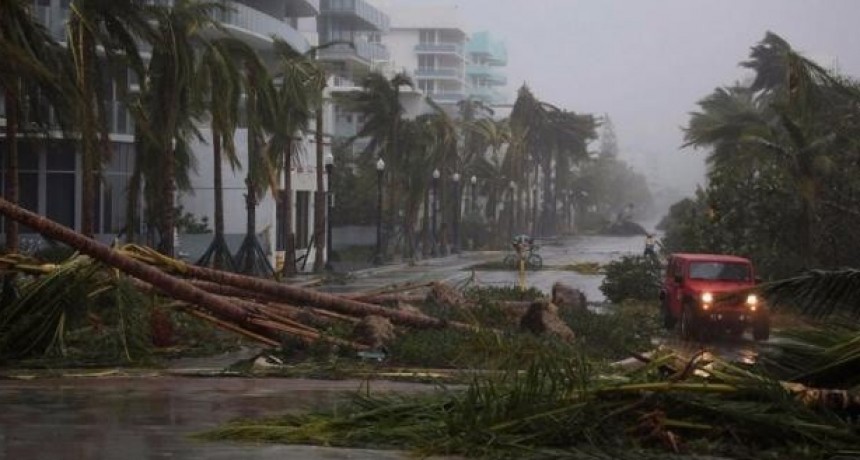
(152, 418)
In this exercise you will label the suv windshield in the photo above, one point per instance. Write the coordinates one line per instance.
(719, 271)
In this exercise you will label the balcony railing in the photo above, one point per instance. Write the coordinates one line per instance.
(440, 72)
(450, 97)
(258, 23)
(367, 14)
(439, 48)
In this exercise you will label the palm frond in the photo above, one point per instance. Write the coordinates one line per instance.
(818, 293)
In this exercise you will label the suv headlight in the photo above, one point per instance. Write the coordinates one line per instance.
(707, 298)
(752, 301)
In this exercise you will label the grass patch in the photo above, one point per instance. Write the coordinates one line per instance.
(585, 268)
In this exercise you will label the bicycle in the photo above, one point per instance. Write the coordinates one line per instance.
(533, 260)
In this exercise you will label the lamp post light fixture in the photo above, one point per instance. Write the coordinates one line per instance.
(380, 169)
(328, 161)
(456, 238)
(435, 209)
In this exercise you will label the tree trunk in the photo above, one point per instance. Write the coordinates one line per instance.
(218, 183)
(289, 268)
(426, 236)
(319, 197)
(172, 286)
(132, 213)
(86, 56)
(167, 208)
(11, 190)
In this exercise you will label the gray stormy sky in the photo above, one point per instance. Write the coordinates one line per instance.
(647, 62)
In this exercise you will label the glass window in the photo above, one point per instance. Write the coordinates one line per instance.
(719, 271)
(60, 156)
(28, 194)
(60, 198)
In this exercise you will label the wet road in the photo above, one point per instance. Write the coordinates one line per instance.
(152, 418)
(454, 269)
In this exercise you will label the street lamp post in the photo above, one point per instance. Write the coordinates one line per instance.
(534, 211)
(456, 248)
(329, 167)
(511, 229)
(436, 175)
(474, 181)
(380, 169)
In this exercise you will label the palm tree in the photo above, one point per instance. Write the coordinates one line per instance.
(261, 171)
(111, 27)
(167, 111)
(33, 61)
(379, 102)
(787, 115)
(299, 84)
(220, 87)
(444, 132)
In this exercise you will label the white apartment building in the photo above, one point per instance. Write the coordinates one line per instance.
(428, 43)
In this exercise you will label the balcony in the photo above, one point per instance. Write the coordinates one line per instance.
(454, 73)
(487, 74)
(487, 94)
(363, 50)
(302, 8)
(359, 14)
(492, 51)
(247, 21)
(440, 48)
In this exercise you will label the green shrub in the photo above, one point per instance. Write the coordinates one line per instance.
(632, 277)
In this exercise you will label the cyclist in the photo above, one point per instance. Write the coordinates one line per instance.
(522, 243)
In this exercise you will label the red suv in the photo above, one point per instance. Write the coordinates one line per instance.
(708, 293)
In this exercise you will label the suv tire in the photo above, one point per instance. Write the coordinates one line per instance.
(668, 320)
(689, 328)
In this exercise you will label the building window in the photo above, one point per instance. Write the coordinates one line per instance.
(427, 36)
(112, 202)
(60, 183)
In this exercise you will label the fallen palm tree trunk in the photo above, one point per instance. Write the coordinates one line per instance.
(189, 309)
(264, 316)
(295, 295)
(176, 288)
(390, 298)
